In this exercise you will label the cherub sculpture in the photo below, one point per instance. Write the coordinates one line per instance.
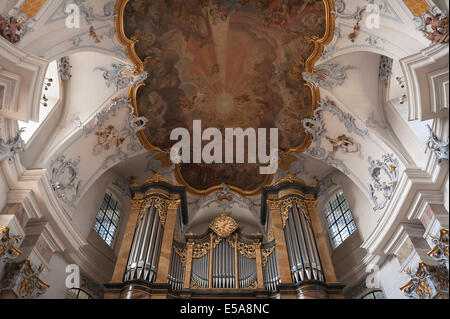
(439, 27)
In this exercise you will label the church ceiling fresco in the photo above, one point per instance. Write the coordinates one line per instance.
(230, 64)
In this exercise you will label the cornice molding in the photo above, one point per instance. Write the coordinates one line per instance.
(426, 75)
(415, 189)
(33, 189)
(25, 74)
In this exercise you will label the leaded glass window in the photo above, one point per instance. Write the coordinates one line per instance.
(378, 294)
(107, 219)
(339, 218)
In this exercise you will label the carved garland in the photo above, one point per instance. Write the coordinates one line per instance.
(181, 253)
(22, 279)
(8, 250)
(285, 204)
(200, 250)
(246, 250)
(265, 254)
(431, 281)
(163, 205)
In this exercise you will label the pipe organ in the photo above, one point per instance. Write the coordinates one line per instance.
(301, 245)
(223, 260)
(158, 258)
(144, 254)
(271, 271)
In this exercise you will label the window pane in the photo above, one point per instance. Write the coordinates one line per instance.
(378, 295)
(334, 203)
(334, 230)
(344, 234)
(330, 220)
(340, 196)
(348, 217)
(352, 227)
(115, 219)
(341, 223)
(344, 206)
(97, 226)
(337, 241)
(102, 232)
(339, 219)
(107, 219)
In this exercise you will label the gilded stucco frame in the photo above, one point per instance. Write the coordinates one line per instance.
(129, 45)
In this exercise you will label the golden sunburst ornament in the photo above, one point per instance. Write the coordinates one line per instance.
(223, 226)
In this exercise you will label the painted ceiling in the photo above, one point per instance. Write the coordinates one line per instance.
(230, 64)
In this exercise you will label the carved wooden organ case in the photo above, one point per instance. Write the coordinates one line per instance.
(161, 254)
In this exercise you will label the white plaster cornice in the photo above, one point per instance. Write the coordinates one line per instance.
(23, 76)
(427, 79)
(415, 189)
(33, 189)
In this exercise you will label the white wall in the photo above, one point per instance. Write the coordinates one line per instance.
(391, 279)
(56, 278)
(3, 190)
(84, 215)
(349, 254)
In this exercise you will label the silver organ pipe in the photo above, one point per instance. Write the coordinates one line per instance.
(301, 246)
(144, 255)
(200, 269)
(177, 267)
(223, 265)
(271, 272)
(247, 271)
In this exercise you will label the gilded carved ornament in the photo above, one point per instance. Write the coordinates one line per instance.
(224, 227)
(200, 249)
(290, 178)
(431, 281)
(428, 282)
(440, 250)
(194, 284)
(285, 204)
(181, 253)
(8, 250)
(163, 206)
(246, 250)
(22, 279)
(265, 254)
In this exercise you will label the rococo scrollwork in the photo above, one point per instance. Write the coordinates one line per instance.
(22, 280)
(431, 281)
(11, 148)
(305, 205)
(161, 204)
(384, 174)
(8, 243)
(437, 146)
(64, 179)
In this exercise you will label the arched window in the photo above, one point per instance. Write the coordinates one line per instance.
(107, 220)
(76, 293)
(377, 294)
(339, 219)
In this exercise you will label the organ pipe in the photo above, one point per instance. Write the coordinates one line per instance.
(145, 249)
(301, 247)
